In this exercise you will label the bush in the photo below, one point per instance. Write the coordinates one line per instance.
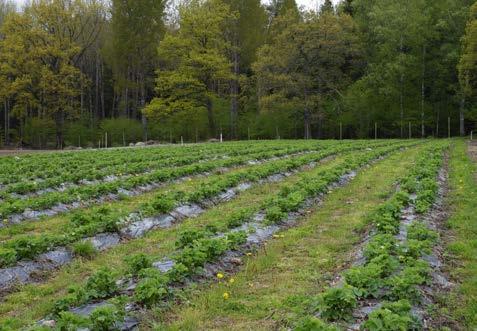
(275, 214)
(116, 127)
(235, 239)
(70, 322)
(7, 257)
(75, 295)
(338, 303)
(368, 279)
(106, 318)
(101, 284)
(84, 249)
(313, 324)
(151, 289)
(392, 316)
(137, 262)
(188, 236)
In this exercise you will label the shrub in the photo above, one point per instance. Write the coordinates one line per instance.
(163, 204)
(392, 316)
(101, 284)
(368, 279)
(235, 239)
(8, 257)
(405, 284)
(275, 214)
(68, 321)
(137, 262)
(337, 303)
(75, 295)
(188, 236)
(106, 318)
(151, 289)
(313, 324)
(178, 272)
(84, 249)
(379, 245)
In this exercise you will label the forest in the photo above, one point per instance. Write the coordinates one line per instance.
(89, 73)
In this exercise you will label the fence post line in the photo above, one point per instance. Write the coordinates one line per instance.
(375, 130)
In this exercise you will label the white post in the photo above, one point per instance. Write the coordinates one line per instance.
(221, 137)
(182, 141)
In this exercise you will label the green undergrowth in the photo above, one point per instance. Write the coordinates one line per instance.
(461, 239)
(273, 287)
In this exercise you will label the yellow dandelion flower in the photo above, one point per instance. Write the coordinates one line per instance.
(231, 281)
(249, 254)
(220, 275)
(226, 295)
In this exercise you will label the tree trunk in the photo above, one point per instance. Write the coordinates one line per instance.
(401, 92)
(59, 118)
(423, 90)
(307, 123)
(142, 105)
(462, 117)
(210, 116)
(7, 120)
(234, 90)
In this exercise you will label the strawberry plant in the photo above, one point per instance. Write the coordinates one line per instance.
(101, 284)
(392, 316)
(138, 262)
(337, 303)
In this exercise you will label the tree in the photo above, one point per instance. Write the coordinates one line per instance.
(246, 35)
(327, 7)
(137, 27)
(308, 64)
(194, 66)
(40, 52)
(467, 66)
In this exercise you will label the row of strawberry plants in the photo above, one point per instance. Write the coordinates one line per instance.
(76, 176)
(82, 193)
(393, 271)
(39, 166)
(138, 162)
(196, 247)
(105, 219)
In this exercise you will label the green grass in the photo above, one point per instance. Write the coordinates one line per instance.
(32, 302)
(273, 287)
(461, 306)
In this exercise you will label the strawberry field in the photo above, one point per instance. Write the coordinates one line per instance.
(255, 235)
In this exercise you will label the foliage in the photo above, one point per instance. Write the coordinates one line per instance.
(84, 249)
(136, 263)
(101, 284)
(337, 303)
(392, 316)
